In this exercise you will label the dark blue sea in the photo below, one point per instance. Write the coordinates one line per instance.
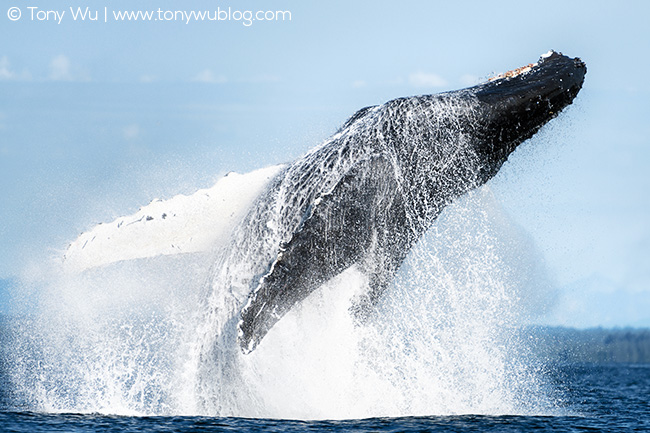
(595, 397)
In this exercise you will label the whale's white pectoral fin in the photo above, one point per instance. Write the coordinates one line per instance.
(338, 231)
(183, 224)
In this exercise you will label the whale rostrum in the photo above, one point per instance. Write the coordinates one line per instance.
(367, 194)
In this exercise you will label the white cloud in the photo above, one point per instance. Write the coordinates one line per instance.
(423, 79)
(60, 69)
(5, 71)
(359, 83)
(207, 76)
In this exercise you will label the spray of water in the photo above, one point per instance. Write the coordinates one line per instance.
(138, 337)
(157, 334)
(442, 342)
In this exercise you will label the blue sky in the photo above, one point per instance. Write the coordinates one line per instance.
(98, 118)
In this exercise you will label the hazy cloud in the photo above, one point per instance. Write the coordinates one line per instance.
(423, 79)
(131, 132)
(148, 78)
(359, 83)
(61, 69)
(263, 79)
(207, 76)
(6, 73)
(4, 148)
(397, 81)
(469, 80)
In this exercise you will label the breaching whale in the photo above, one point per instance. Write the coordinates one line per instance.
(367, 194)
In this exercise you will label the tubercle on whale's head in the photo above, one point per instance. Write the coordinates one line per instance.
(515, 105)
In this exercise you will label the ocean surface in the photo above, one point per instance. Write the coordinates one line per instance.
(590, 397)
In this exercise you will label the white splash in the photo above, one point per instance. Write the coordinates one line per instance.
(127, 337)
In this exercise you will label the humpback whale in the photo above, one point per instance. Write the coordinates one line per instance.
(367, 194)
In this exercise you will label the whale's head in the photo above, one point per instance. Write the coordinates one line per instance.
(511, 107)
(449, 143)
